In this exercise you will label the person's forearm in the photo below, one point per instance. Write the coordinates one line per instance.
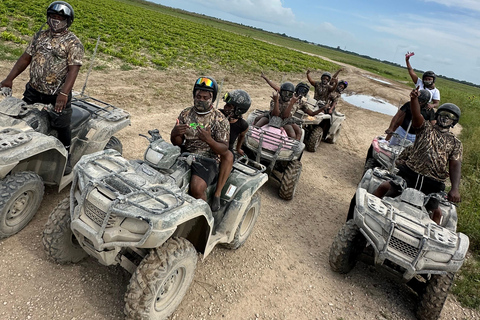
(240, 140)
(70, 80)
(20, 66)
(218, 147)
(417, 118)
(455, 171)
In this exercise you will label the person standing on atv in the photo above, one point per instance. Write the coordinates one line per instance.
(435, 155)
(55, 57)
(203, 131)
(237, 102)
(333, 97)
(325, 86)
(401, 120)
(282, 106)
(427, 82)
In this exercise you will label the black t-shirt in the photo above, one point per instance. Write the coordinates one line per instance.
(235, 129)
(428, 114)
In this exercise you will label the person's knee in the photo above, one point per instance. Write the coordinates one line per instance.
(382, 189)
(197, 187)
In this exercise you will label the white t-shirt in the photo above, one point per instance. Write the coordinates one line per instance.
(435, 92)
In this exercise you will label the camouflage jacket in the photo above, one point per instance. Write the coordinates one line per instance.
(432, 151)
(215, 120)
(51, 55)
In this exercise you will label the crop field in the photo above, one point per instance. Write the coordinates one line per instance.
(141, 34)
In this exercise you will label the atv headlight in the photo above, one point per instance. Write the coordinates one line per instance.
(135, 225)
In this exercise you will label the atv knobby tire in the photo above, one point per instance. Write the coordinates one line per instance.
(314, 139)
(20, 196)
(161, 281)
(434, 297)
(115, 144)
(58, 239)
(245, 227)
(347, 245)
(289, 181)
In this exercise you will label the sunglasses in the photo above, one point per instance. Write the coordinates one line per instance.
(205, 81)
(447, 114)
(62, 9)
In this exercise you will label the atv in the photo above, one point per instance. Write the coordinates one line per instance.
(31, 156)
(139, 215)
(271, 146)
(384, 154)
(397, 235)
(320, 127)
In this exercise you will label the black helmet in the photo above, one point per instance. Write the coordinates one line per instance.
(239, 99)
(206, 84)
(429, 74)
(302, 89)
(450, 107)
(327, 74)
(424, 96)
(345, 84)
(286, 91)
(62, 8)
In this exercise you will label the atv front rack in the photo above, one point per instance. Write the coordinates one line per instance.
(99, 108)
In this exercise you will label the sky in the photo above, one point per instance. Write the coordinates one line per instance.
(444, 34)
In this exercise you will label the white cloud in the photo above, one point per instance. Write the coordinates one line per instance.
(270, 11)
(464, 4)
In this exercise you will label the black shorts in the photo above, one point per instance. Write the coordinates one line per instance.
(417, 181)
(205, 168)
(57, 120)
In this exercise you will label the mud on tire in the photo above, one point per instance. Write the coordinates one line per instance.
(115, 144)
(245, 227)
(289, 181)
(434, 297)
(314, 139)
(58, 240)
(347, 245)
(21, 195)
(161, 281)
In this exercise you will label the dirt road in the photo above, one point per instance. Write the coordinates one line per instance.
(282, 272)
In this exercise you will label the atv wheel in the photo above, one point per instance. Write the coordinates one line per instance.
(314, 139)
(346, 247)
(58, 239)
(115, 144)
(245, 227)
(333, 139)
(161, 281)
(21, 195)
(370, 163)
(289, 181)
(436, 292)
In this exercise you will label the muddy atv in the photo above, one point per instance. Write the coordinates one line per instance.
(383, 154)
(397, 235)
(320, 127)
(31, 156)
(271, 146)
(138, 214)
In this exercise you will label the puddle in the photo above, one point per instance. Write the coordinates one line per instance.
(371, 103)
(378, 80)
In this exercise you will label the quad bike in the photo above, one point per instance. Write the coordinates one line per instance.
(320, 127)
(383, 154)
(271, 146)
(138, 214)
(31, 156)
(397, 235)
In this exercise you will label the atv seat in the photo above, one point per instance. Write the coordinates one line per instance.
(79, 117)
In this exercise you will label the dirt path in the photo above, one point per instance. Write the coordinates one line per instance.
(281, 273)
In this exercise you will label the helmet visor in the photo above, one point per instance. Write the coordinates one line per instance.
(62, 9)
(205, 81)
(448, 115)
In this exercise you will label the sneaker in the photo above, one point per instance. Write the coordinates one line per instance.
(215, 203)
(68, 167)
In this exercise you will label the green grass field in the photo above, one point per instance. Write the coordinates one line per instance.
(139, 33)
